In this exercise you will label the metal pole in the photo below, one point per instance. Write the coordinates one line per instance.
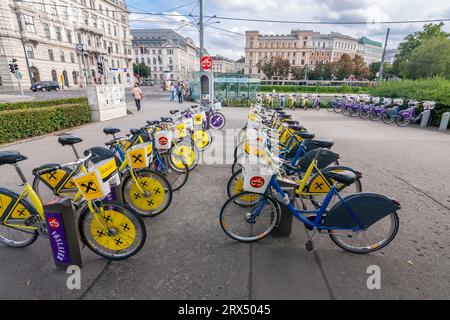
(380, 78)
(201, 27)
(84, 68)
(24, 49)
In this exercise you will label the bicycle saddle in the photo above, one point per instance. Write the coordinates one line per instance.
(135, 131)
(281, 112)
(69, 140)
(153, 122)
(166, 119)
(346, 177)
(323, 143)
(11, 157)
(174, 111)
(291, 122)
(110, 130)
(284, 116)
(305, 134)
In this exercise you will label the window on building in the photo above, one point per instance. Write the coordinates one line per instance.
(28, 22)
(72, 58)
(86, 19)
(304, 43)
(169, 51)
(58, 33)
(69, 36)
(117, 48)
(63, 56)
(148, 60)
(79, 38)
(46, 30)
(51, 57)
(137, 60)
(30, 52)
(115, 31)
(154, 60)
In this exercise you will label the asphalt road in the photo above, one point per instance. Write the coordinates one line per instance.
(187, 255)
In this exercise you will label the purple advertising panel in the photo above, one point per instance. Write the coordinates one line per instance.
(57, 236)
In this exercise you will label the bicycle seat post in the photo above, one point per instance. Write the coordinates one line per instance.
(76, 152)
(20, 173)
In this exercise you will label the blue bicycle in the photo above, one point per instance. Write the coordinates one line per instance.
(358, 223)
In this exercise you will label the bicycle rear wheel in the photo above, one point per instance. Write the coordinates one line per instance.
(184, 153)
(156, 197)
(176, 177)
(114, 231)
(243, 224)
(376, 237)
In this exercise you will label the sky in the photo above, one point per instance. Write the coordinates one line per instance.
(230, 43)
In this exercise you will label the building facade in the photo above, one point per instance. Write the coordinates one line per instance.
(44, 37)
(239, 65)
(390, 55)
(223, 65)
(371, 51)
(296, 47)
(307, 48)
(168, 54)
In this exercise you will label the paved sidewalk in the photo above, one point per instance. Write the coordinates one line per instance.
(187, 255)
(14, 98)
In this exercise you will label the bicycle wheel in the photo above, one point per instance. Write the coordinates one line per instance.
(338, 108)
(156, 196)
(10, 235)
(241, 224)
(114, 231)
(236, 165)
(177, 178)
(330, 107)
(202, 139)
(374, 116)
(402, 122)
(376, 237)
(364, 114)
(217, 120)
(185, 151)
(387, 118)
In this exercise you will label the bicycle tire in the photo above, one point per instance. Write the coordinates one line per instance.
(90, 240)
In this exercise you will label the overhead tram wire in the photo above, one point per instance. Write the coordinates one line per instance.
(264, 20)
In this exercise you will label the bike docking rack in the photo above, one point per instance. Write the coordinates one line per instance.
(62, 233)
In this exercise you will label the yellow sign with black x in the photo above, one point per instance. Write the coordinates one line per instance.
(138, 158)
(180, 131)
(90, 186)
(198, 119)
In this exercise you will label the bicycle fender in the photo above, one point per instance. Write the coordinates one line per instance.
(368, 208)
(326, 158)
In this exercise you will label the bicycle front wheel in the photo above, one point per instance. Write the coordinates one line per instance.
(113, 231)
(250, 223)
(376, 237)
(176, 177)
(149, 193)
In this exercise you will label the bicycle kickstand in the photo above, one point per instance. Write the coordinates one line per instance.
(309, 244)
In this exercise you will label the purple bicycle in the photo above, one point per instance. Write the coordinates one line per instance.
(409, 115)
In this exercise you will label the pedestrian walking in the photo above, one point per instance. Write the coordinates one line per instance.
(180, 93)
(172, 92)
(137, 94)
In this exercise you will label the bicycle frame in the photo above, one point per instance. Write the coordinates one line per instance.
(319, 213)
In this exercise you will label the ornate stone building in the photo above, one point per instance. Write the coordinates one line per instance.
(44, 35)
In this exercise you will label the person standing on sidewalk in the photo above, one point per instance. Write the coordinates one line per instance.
(172, 92)
(137, 94)
(180, 93)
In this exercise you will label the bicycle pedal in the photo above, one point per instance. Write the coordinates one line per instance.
(309, 246)
(31, 220)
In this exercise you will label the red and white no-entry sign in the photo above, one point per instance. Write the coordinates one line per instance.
(206, 63)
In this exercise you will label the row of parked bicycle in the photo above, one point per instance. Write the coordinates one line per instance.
(111, 188)
(386, 109)
(292, 101)
(276, 154)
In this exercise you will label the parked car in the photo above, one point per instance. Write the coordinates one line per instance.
(147, 83)
(45, 86)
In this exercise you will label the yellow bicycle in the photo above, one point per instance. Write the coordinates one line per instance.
(109, 228)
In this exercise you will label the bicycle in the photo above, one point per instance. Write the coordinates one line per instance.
(146, 191)
(353, 216)
(108, 228)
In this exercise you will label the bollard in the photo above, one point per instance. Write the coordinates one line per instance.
(284, 228)
(425, 118)
(62, 233)
(444, 122)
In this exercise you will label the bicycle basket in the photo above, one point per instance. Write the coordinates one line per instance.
(188, 123)
(91, 185)
(217, 106)
(256, 177)
(163, 139)
(138, 156)
(179, 131)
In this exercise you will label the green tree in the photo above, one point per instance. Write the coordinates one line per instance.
(298, 73)
(344, 67)
(141, 70)
(413, 40)
(328, 71)
(429, 59)
(275, 67)
(360, 68)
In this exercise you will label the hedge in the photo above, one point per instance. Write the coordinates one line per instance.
(434, 89)
(41, 104)
(24, 123)
(315, 89)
